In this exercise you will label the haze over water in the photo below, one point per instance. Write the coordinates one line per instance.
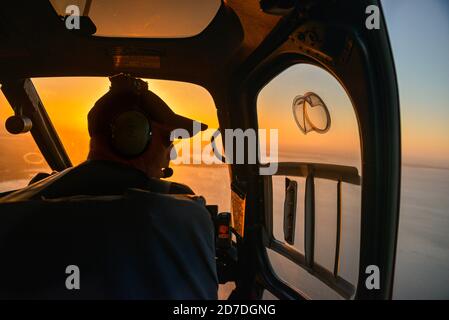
(423, 246)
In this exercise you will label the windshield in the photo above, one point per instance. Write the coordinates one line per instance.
(68, 100)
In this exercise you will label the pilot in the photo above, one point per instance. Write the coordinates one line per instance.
(130, 146)
(129, 129)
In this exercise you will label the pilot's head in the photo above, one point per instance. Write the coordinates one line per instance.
(132, 125)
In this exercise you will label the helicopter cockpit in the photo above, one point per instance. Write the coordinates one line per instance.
(262, 67)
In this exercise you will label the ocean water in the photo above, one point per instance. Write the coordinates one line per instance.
(422, 262)
(422, 267)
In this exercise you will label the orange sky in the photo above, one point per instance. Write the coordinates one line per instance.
(275, 111)
(68, 100)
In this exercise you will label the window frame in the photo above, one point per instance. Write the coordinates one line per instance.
(329, 172)
(368, 76)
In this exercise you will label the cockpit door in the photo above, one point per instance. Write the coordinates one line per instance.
(349, 42)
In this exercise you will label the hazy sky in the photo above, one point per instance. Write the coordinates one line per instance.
(419, 34)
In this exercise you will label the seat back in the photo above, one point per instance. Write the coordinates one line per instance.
(141, 245)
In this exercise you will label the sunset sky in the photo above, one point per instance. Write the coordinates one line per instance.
(419, 33)
(68, 100)
(420, 49)
(275, 111)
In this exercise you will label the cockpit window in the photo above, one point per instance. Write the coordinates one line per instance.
(68, 100)
(144, 18)
(20, 158)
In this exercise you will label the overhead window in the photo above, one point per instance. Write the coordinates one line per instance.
(144, 18)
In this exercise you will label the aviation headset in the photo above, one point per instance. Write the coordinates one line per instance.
(130, 131)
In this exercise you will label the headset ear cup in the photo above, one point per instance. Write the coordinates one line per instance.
(130, 133)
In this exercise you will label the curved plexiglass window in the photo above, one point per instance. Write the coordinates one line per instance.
(144, 18)
(20, 158)
(316, 123)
